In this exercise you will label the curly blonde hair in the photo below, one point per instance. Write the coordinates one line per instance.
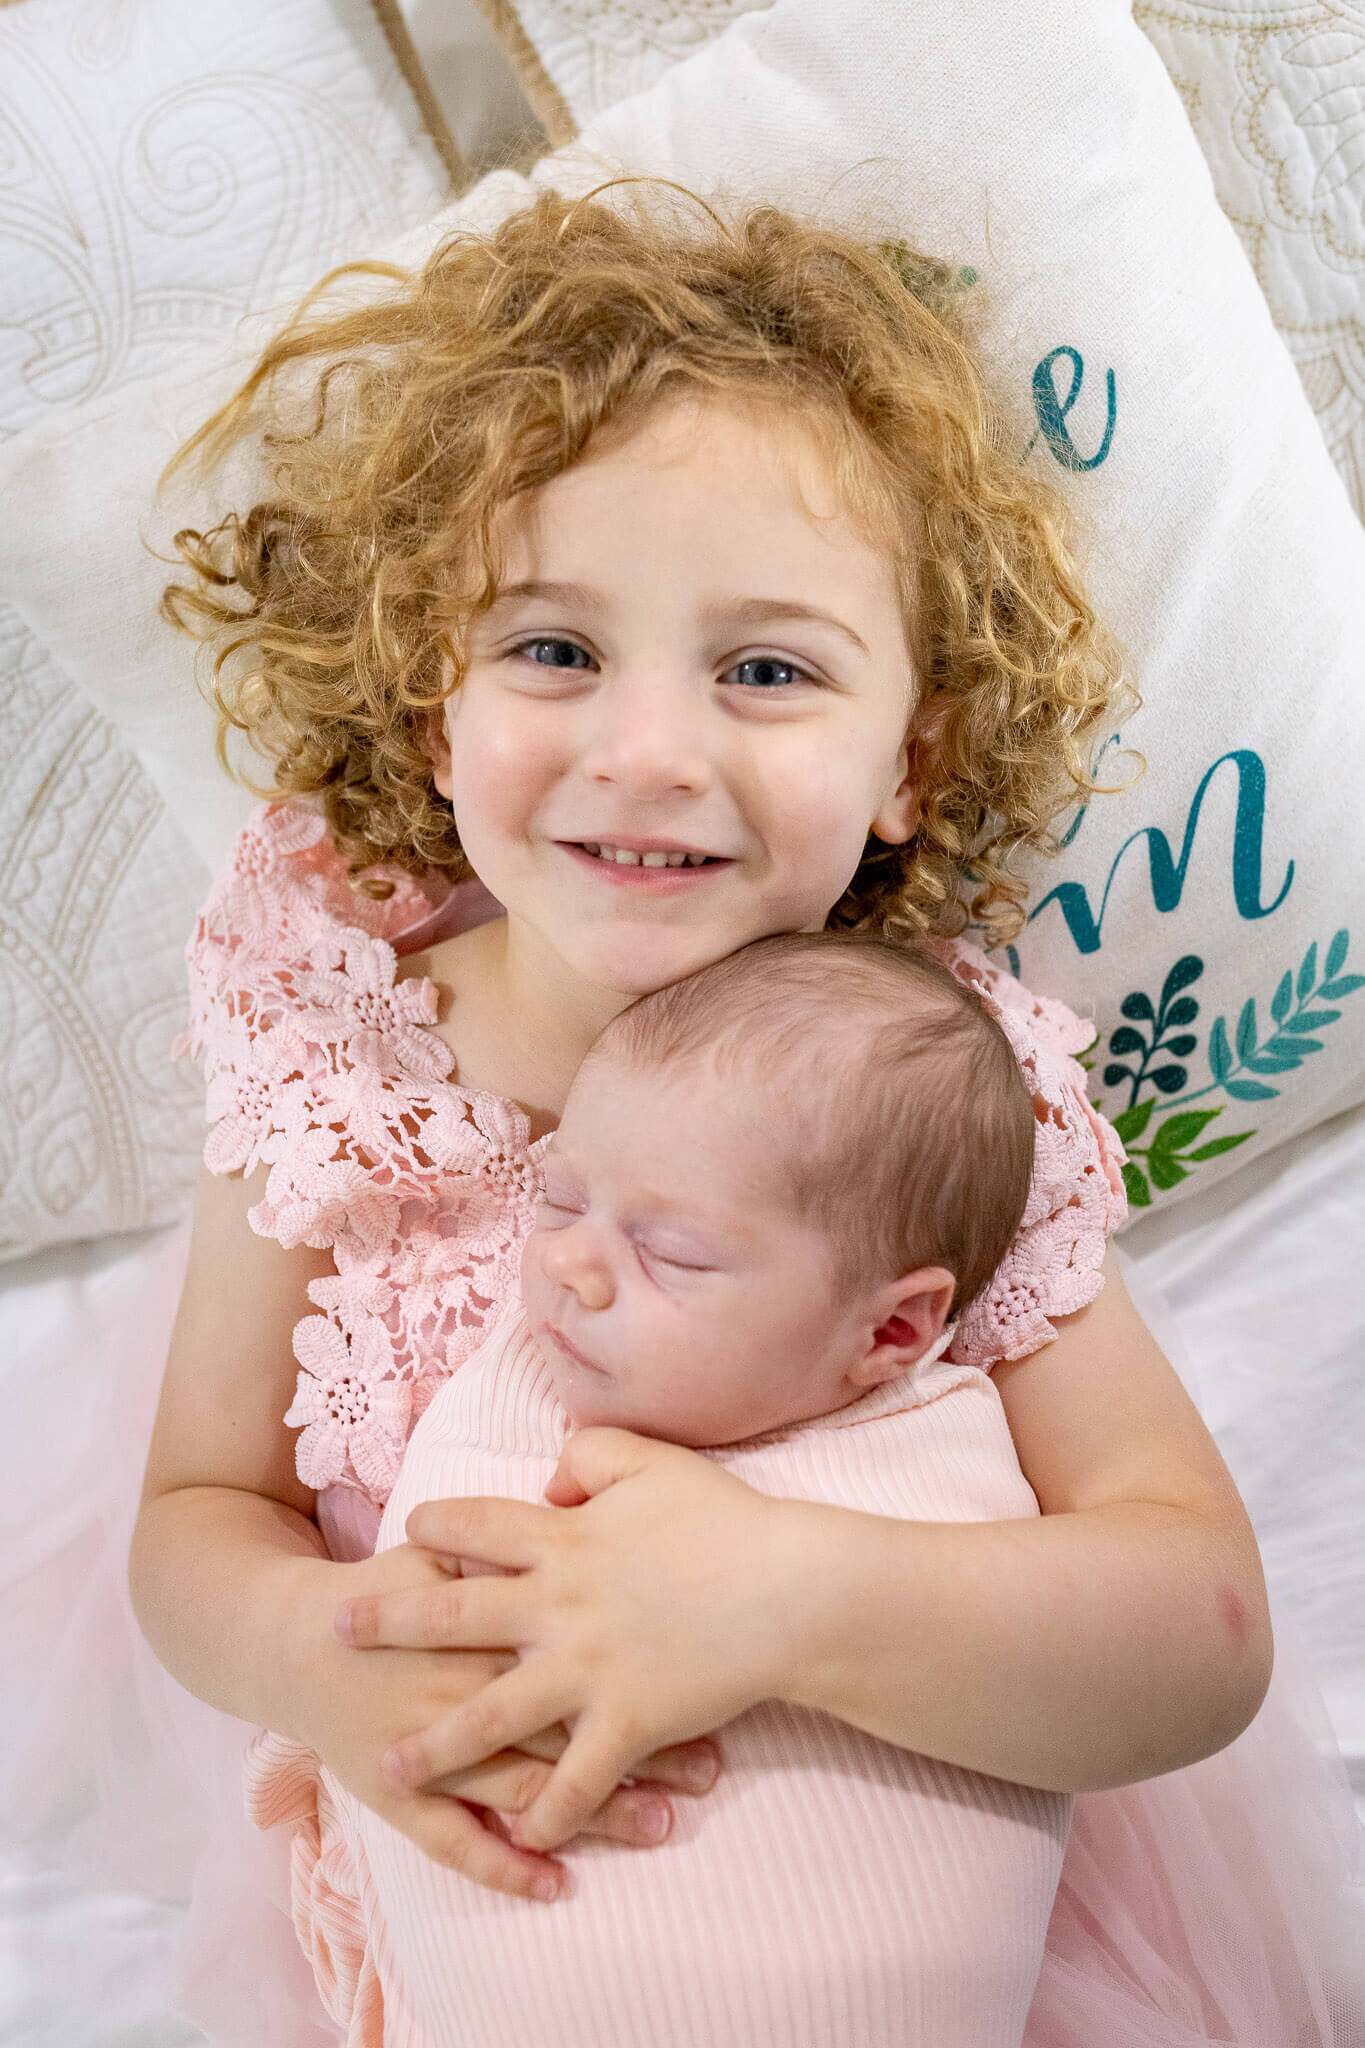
(336, 605)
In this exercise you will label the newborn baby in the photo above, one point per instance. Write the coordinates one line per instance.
(773, 1187)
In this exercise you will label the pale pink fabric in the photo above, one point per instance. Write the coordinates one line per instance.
(830, 1889)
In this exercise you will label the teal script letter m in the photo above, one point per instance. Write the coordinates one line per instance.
(1168, 875)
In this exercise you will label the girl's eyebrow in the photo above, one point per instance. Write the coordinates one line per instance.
(737, 611)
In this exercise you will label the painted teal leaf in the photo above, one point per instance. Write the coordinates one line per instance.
(1308, 972)
(1187, 969)
(1114, 1075)
(1125, 1039)
(1170, 1080)
(1250, 1091)
(1220, 1054)
(1183, 1012)
(1166, 1172)
(1181, 1129)
(1336, 954)
(1246, 1029)
(1347, 986)
(1217, 1145)
(1282, 1002)
(1285, 1047)
(1135, 1182)
(1282, 1063)
(1138, 1007)
(1311, 1020)
(1180, 1048)
(1131, 1123)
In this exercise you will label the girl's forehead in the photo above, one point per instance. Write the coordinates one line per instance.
(742, 475)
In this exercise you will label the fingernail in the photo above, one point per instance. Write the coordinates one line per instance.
(702, 1773)
(546, 1889)
(652, 1820)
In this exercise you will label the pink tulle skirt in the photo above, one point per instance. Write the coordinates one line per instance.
(1218, 1904)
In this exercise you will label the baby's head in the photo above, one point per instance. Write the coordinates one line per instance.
(855, 556)
(772, 1186)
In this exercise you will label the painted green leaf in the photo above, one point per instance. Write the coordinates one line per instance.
(1346, 986)
(1217, 1145)
(1308, 972)
(1311, 1020)
(1180, 1130)
(1170, 1080)
(1183, 1012)
(1114, 1075)
(1220, 1053)
(1282, 1002)
(1135, 1181)
(1336, 954)
(1166, 1172)
(1138, 1007)
(1131, 1123)
(1180, 1048)
(1187, 969)
(1250, 1091)
(1246, 1029)
(1125, 1039)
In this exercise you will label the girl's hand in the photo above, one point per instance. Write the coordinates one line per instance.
(362, 1705)
(651, 1611)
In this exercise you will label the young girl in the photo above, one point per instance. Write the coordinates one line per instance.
(676, 585)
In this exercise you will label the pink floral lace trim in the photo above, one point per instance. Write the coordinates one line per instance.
(321, 1064)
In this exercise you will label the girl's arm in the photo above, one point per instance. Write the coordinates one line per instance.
(1124, 1634)
(233, 1587)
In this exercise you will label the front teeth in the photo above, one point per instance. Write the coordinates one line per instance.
(626, 859)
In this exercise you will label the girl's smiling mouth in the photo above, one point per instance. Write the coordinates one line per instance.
(655, 864)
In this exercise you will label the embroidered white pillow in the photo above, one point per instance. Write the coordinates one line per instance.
(166, 167)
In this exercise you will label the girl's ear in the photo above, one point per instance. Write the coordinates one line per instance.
(895, 822)
(436, 747)
(898, 817)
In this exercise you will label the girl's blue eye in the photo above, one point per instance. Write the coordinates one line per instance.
(770, 672)
(562, 648)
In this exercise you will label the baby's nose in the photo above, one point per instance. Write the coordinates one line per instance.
(574, 1262)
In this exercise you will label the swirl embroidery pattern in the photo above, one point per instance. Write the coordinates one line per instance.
(1276, 95)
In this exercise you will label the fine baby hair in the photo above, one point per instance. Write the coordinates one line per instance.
(397, 431)
(905, 1126)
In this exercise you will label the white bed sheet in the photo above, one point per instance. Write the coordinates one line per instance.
(1255, 1290)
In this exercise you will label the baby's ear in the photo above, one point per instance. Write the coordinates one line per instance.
(909, 1316)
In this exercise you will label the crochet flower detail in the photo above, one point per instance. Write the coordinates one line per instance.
(378, 1019)
(351, 1410)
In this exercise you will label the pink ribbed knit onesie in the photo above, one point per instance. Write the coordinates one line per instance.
(831, 1892)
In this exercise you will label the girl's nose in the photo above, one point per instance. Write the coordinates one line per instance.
(649, 739)
(572, 1260)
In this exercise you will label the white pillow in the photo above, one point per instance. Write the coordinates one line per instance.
(1044, 147)
(1274, 98)
(170, 165)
